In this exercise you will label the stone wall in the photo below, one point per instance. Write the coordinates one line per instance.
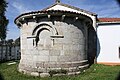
(8, 52)
(53, 45)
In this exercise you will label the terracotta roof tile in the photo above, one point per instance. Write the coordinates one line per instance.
(69, 6)
(109, 19)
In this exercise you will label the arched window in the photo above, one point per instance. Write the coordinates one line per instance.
(42, 33)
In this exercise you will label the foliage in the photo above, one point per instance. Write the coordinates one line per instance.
(118, 1)
(95, 72)
(7, 42)
(17, 41)
(3, 20)
(11, 42)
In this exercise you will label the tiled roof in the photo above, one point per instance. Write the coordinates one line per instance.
(46, 10)
(69, 6)
(109, 19)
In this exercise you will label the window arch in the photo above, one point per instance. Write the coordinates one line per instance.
(42, 33)
(44, 26)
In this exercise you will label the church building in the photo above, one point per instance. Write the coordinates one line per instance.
(60, 39)
(108, 43)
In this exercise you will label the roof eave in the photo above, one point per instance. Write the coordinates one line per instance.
(105, 23)
(27, 15)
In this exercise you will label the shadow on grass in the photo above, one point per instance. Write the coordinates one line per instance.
(1, 77)
(118, 77)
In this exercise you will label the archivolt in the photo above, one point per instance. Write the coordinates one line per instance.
(44, 26)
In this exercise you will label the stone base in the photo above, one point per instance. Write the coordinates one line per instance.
(46, 72)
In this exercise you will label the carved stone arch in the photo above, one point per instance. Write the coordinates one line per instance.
(42, 32)
(44, 26)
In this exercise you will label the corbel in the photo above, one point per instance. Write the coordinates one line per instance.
(35, 19)
(19, 24)
(76, 18)
(63, 17)
(49, 17)
(25, 20)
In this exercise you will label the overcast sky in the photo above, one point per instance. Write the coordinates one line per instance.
(104, 8)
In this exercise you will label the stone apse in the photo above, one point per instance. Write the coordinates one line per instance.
(54, 42)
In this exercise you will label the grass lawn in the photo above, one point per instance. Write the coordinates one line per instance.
(95, 72)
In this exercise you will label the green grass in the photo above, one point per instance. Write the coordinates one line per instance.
(95, 72)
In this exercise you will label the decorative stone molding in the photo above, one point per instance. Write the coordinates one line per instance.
(45, 26)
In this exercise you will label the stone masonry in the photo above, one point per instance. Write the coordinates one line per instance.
(53, 42)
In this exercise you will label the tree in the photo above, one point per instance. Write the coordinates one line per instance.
(17, 41)
(9, 42)
(3, 20)
(118, 1)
